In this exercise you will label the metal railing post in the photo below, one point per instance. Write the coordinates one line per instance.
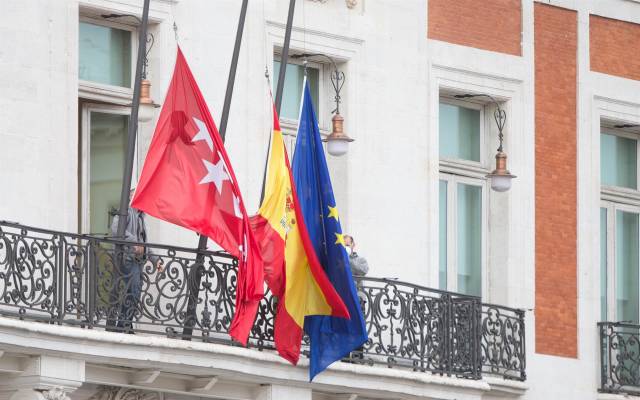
(92, 283)
(448, 350)
(523, 364)
(60, 284)
(603, 357)
(477, 329)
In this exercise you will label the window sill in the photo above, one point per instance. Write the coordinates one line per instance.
(290, 127)
(105, 93)
(620, 195)
(456, 167)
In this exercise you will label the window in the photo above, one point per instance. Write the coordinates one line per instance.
(104, 139)
(462, 187)
(459, 132)
(619, 227)
(292, 97)
(618, 161)
(293, 85)
(105, 72)
(105, 55)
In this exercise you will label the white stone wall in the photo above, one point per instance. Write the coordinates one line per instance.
(38, 110)
(386, 187)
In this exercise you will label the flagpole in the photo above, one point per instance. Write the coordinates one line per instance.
(285, 55)
(281, 77)
(133, 123)
(198, 268)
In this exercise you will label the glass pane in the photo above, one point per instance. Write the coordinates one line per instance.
(459, 132)
(292, 91)
(442, 272)
(469, 239)
(105, 55)
(603, 264)
(627, 266)
(106, 165)
(618, 161)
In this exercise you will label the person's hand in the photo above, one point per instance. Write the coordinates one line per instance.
(160, 265)
(139, 250)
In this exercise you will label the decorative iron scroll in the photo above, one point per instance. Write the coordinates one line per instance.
(619, 358)
(86, 281)
(503, 342)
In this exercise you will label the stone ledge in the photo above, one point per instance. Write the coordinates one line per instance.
(506, 388)
(241, 364)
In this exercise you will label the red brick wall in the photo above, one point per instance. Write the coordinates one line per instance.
(556, 220)
(488, 24)
(613, 47)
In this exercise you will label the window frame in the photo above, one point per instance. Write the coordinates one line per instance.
(452, 230)
(612, 208)
(619, 193)
(613, 199)
(476, 168)
(85, 150)
(455, 171)
(290, 126)
(103, 92)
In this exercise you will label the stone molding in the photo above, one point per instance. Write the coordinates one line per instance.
(118, 393)
(56, 393)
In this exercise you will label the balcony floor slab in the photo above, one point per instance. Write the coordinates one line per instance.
(172, 357)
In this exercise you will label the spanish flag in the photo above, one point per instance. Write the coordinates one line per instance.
(292, 269)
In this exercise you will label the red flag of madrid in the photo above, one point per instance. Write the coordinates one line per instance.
(187, 180)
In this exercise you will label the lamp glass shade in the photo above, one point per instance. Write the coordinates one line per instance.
(501, 183)
(337, 147)
(146, 112)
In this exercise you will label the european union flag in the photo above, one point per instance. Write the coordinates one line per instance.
(332, 338)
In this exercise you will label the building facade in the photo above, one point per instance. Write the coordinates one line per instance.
(533, 293)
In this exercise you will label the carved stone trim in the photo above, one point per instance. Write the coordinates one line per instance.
(118, 393)
(57, 393)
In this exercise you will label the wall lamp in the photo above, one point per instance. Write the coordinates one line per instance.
(147, 105)
(500, 177)
(337, 141)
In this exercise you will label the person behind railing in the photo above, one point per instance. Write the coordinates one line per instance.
(133, 260)
(359, 268)
(358, 264)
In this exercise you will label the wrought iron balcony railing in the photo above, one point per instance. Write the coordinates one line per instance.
(619, 358)
(87, 281)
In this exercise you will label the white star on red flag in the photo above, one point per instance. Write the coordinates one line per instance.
(203, 133)
(215, 173)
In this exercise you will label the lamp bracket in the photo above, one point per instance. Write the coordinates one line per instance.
(337, 77)
(150, 38)
(499, 115)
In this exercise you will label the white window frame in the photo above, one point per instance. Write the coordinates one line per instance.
(611, 209)
(619, 193)
(468, 172)
(467, 167)
(613, 199)
(290, 126)
(110, 93)
(85, 173)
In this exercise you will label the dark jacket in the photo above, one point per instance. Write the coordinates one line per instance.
(135, 231)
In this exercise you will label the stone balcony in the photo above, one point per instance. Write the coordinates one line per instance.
(61, 301)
